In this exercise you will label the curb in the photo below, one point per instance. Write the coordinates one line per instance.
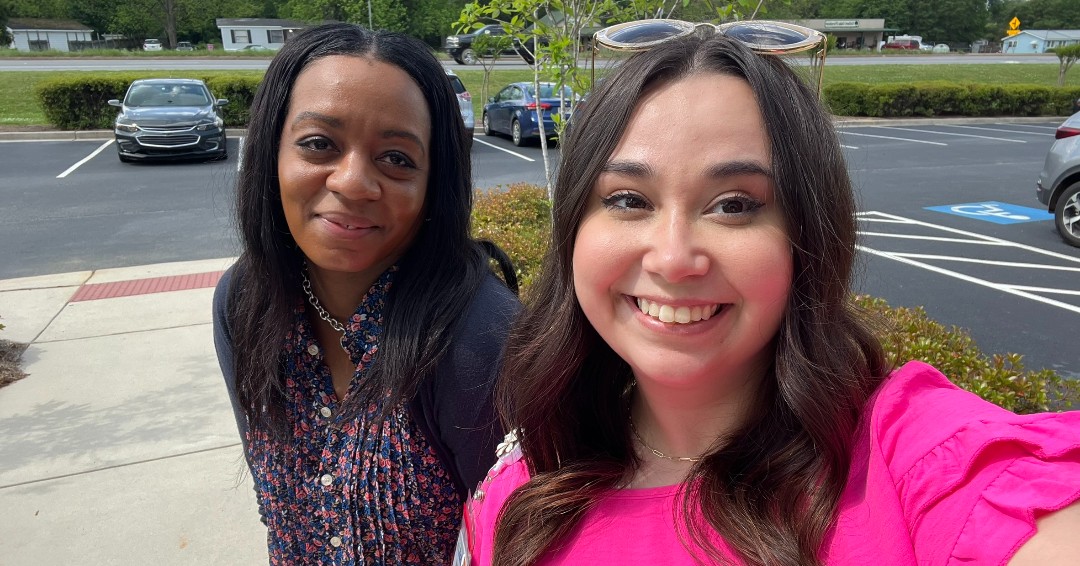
(839, 121)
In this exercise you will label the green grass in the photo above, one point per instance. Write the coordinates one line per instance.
(19, 105)
(125, 53)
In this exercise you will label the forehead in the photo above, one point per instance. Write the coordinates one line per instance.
(358, 85)
(697, 119)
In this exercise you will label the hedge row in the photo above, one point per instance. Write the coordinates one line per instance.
(73, 103)
(83, 103)
(518, 220)
(941, 98)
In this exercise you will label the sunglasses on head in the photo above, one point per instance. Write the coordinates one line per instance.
(761, 36)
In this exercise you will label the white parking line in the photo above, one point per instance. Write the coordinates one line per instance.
(514, 153)
(1044, 290)
(886, 215)
(240, 153)
(989, 262)
(85, 159)
(949, 134)
(995, 130)
(847, 133)
(848, 146)
(1027, 126)
(931, 238)
(1010, 289)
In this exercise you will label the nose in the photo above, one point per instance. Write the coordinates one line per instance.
(674, 250)
(354, 177)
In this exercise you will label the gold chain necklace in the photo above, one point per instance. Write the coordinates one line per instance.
(656, 452)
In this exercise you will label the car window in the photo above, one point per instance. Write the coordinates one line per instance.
(167, 95)
(515, 94)
(456, 82)
(504, 94)
(548, 91)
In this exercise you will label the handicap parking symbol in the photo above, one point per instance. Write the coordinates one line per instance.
(996, 212)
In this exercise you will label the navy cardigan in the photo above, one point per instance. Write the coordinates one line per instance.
(454, 407)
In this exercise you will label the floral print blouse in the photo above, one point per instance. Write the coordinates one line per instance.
(353, 492)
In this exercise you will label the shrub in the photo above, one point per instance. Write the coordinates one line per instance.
(82, 103)
(518, 220)
(942, 98)
(239, 91)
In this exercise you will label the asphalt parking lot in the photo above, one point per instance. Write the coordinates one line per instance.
(948, 220)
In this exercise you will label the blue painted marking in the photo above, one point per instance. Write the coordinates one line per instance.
(996, 212)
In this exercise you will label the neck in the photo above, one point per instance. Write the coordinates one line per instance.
(688, 423)
(339, 293)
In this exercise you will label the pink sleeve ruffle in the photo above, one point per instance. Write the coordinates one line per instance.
(972, 478)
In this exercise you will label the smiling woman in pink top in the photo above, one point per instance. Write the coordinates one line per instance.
(691, 385)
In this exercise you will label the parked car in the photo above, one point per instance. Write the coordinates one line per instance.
(169, 118)
(512, 111)
(460, 47)
(1058, 186)
(184, 46)
(464, 101)
(151, 45)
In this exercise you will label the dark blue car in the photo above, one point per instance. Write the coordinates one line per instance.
(513, 111)
(169, 118)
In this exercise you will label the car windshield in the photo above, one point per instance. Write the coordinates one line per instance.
(548, 91)
(167, 95)
(458, 86)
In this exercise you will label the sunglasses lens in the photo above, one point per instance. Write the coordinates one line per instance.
(766, 35)
(646, 32)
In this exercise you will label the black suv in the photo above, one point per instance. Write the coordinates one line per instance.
(460, 47)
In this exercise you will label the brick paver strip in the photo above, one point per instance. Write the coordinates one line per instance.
(96, 291)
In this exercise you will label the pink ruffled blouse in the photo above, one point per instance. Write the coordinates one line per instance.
(938, 476)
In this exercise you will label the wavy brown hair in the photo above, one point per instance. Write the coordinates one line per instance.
(769, 489)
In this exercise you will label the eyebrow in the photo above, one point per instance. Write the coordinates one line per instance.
(640, 170)
(388, 134)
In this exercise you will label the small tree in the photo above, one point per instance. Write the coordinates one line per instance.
(489, 48)
(1067, 56)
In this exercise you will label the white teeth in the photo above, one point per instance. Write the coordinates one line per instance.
(678, 315)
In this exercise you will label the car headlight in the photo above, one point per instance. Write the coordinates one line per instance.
(452, 42)
(126, 125)
(216, 123)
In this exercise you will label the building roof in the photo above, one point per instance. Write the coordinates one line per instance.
(18, 24)
(260, 23)
(1050, 34)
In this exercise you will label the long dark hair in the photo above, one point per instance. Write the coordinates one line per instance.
(438, 274)
(771, 488)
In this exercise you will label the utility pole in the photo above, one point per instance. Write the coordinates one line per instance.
(369, 25)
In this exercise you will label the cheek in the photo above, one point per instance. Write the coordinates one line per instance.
(599, 262)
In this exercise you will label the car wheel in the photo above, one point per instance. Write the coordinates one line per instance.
(1067, 215)
(487, 126)
(468, 57)
(515, 133)
(459, 61)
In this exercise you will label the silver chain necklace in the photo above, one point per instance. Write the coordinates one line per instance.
(333, 322)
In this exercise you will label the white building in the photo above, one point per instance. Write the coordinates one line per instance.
(1039, 40)
(256, 33)
(35, 34)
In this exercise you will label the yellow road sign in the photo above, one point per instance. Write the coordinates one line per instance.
(1014, 23)
(1012, 32)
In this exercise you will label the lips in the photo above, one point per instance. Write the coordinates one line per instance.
(347, 221)
(677, 314)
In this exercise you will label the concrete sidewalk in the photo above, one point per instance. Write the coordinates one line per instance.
(120, 446)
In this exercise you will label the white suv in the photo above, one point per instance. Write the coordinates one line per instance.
(151, 45)
(464, 102)
(1058, 186)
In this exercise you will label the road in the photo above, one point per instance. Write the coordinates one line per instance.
(930, 201)
(228, 64)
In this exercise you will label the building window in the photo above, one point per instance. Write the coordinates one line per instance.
(241, 36)
(277, 36)
(39, 45)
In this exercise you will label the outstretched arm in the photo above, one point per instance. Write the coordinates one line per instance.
(1056, 542)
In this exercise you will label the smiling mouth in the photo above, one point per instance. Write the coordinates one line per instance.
(678, 315)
